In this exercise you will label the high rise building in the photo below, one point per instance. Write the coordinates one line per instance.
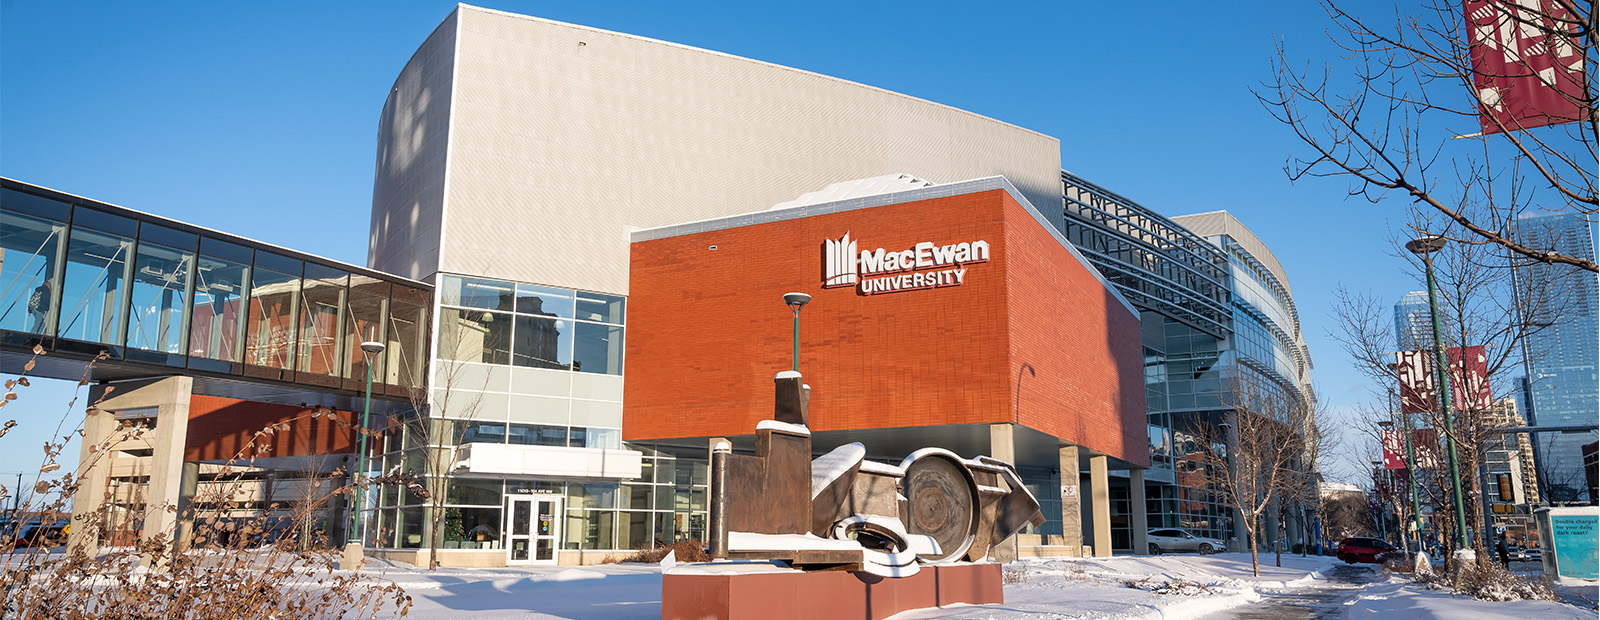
(1564, 374)
(1413, 326)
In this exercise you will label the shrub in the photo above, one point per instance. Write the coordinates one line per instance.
(691, 550)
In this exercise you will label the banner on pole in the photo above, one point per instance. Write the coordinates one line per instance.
(1527, 64)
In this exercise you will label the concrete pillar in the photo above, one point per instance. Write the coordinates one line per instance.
(94, 467)
(1100, 501)
(168, 400)
(1141, 523)
(1071, 507)
(1002, 446)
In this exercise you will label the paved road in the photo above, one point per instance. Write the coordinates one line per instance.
(1320, 601)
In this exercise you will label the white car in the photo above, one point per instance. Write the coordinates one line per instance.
(1179, 540)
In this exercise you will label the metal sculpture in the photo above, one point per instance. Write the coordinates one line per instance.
(934, 507)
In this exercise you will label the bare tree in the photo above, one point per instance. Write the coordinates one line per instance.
(1261, 449)
(1393, 117)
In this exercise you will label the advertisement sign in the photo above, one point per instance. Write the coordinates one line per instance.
(1571, 539)
(1526, 69)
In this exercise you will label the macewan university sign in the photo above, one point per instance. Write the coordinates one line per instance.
(924, 265)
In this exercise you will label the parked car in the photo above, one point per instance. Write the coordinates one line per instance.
(1179, 540)
(1533, 554)
(1369, 550)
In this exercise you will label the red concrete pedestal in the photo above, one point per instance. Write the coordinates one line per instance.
(827, 595)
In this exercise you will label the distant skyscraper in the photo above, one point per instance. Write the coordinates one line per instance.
(1565, 373)
(1413, 326)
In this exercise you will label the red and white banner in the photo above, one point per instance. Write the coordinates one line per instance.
(1424, 447)
(1469, 379)
(1526, 64)
(1394, 450)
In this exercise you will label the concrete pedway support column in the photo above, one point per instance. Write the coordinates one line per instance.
(1002, 446)
(1136, 507)
(1071, 507)
(163, 403)
(1100, 501)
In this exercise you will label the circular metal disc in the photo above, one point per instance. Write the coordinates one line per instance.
(940, 503)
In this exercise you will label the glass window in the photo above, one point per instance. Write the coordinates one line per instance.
(369, 301)
(270, 337)
(543, 342)
(30, 255)
(598, 307)
(471, 528)
(481, 432)
(411, 528)
(537, 435)
(160, 293)
(322, 303)
(474, 336)
(597, 349)
(406, 341)
(480, 492)
(636, 496)
(476, 293)
(218, 322)
(544, 301)
(635, 531)
(591, 496)
(605, 438)
(97, 266)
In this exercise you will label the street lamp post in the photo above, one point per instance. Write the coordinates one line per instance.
(355, 540)
(796, 301)
(1425, 247)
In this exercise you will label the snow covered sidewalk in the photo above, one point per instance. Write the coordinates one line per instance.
(1056, 588)
(1398, 597)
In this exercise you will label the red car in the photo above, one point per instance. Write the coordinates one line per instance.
(1369, 550)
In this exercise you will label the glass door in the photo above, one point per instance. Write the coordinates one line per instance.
(532, 529)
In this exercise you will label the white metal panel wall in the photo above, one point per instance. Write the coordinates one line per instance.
(565, 138)
(409, 184)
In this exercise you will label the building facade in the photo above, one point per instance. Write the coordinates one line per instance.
(1564, 358)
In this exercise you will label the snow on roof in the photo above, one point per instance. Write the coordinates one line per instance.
(858, 188)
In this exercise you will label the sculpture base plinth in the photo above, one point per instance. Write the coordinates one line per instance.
(825, 595)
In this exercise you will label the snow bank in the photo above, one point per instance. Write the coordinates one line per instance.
(1399, 598)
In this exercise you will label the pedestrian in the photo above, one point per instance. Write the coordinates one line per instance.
(1500, 548)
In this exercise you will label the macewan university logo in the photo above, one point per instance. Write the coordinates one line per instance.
(924, 265)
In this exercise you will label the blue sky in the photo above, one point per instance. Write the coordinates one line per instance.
(260, 119)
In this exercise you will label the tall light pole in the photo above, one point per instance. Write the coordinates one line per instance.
(796, 301)
(1425, 247)
(356, 539)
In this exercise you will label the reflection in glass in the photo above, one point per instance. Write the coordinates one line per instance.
(322, 301)
(406, 335)
(543, 342)
(472, 528)
(598, 307)
(474, 336)
(29, 256)
(544, 301)
(537, 435)
(475, 293)
(97, 268)
(597, 349)
(411, 528)
(160, 293)
(270, 339)
(369, 297)
(218, 308)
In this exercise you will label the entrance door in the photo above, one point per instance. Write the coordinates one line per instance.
(531, 529)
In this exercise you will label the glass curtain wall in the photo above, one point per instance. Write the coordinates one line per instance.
(102, 279)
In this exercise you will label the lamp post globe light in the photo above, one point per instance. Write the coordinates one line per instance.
(796, 301)
(355, 540)
(1425, 246)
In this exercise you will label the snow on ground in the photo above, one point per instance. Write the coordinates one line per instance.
(1399, 598)
(1053, 589)
(1059, 589)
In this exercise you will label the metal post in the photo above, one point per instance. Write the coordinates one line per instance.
(1411, 476)
(796, 301)
(369, 349)
(796, 366)
(1443, 375)
(718, 546)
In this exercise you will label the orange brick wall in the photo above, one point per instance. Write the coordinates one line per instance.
(220, 427)
(707, 329)
(1076, 354)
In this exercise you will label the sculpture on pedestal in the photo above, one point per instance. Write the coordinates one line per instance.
(844, 512)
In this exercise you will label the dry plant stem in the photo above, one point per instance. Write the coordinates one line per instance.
(1389, 124)
(239, 567)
